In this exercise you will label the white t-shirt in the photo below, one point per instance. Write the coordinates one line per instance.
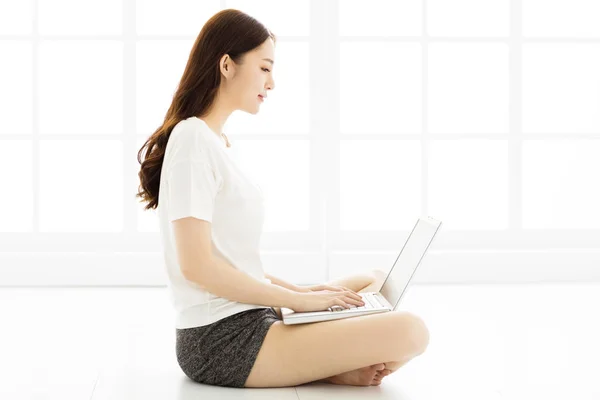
(200, 179)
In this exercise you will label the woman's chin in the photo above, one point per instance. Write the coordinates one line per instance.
(252, 110)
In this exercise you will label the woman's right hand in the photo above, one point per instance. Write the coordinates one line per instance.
(321, 300)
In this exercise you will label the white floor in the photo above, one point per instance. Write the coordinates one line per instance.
(487, 342)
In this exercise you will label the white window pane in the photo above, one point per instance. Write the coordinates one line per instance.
(380, 18)
(81, 186)
(15, 17)
(468, 18)
(288, 101)
(283, 18)
(564, 18)
(157, 78)
(16, 202)
(16, 84)
(81, 87)
(147, 220)
(387, 99)
(468, 183)
(280, 170)
(560, 184)
(174, 17)
(380, 184)
(468, 88)
(560, 88)
(75, 17)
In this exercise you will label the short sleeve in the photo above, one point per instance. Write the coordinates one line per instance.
(192, 188)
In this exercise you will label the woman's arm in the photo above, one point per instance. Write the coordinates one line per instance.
(284, 284)
(306, 289)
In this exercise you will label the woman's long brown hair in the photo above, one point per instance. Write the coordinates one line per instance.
(230, 32)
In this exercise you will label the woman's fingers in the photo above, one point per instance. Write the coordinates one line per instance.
(351, 293)
(351, 300)
(356, 296)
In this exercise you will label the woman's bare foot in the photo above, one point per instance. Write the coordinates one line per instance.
(367, 376)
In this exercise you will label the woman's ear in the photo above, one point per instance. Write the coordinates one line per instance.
(225, 65)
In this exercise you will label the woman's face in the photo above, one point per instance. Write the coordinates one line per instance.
(253, 78)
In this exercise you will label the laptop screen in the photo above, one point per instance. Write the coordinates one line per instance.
(409, 258)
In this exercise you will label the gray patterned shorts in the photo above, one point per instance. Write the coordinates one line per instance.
(223, 353)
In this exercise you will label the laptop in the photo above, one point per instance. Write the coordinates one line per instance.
(394, 287)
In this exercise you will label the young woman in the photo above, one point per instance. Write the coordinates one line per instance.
(228, 320)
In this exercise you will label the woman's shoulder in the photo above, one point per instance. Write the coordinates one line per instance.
(191, 137)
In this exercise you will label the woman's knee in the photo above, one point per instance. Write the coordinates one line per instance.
(420, 333)
(413, 329)
(378, 277)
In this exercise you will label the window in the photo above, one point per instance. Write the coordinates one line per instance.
(485, 117)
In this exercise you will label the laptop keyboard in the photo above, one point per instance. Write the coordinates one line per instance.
(371, 302)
